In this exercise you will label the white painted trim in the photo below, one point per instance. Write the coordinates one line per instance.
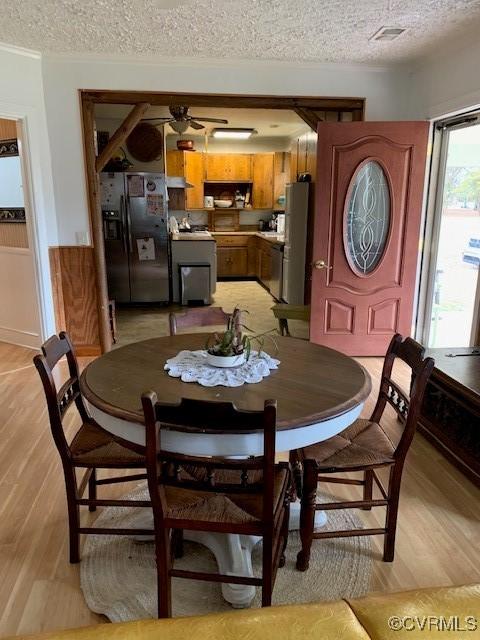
(166, 61)
(20, 338)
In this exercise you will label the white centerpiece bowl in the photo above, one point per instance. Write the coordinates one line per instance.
(226, 361)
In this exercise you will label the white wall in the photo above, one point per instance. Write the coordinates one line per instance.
(11, 193)
(447, 82)
(384, 89)
(21, 98)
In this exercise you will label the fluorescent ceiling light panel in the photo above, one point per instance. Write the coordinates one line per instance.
(238, 134)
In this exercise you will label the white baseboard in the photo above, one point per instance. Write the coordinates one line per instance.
(21, 338)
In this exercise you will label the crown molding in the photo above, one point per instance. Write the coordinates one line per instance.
(164, 61)
(20, 51)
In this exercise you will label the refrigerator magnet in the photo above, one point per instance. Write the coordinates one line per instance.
(146, 249)
(136, 188)
(154, 204)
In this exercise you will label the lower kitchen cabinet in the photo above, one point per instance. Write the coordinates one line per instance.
(232, 261)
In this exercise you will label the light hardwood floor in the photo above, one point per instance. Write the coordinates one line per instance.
(438, 541)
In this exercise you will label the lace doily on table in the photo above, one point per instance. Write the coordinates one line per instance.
(191, 366)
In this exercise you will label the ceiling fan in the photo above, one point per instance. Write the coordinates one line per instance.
(180, 120)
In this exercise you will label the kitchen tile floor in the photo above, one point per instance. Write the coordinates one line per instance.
(143, 322)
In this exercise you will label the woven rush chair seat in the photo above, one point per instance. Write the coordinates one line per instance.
(92, 446)
(232, 509)
(362, 444)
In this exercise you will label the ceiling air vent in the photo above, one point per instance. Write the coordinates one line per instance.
(387, 33)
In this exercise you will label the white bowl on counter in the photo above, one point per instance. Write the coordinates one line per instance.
(223, 204)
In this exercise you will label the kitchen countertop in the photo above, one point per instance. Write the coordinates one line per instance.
(194, 235)
(270, 237)
(275, 238)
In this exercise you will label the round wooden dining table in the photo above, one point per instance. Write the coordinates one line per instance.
(319, 392)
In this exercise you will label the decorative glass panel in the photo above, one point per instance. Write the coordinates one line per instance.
(368, 218)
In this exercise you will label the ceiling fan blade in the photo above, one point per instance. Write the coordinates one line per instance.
(220, 121)
(161, 120)
(196, 125)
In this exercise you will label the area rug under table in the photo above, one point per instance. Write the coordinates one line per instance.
(118, 575)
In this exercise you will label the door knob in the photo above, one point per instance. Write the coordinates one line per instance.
(321, 264)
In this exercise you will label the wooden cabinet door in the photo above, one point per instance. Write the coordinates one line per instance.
(241, 166)
(194, 168)
(302, 153)
(174, 163)
(263, 167)
(252, 252)
(294, 161)
(265, 267)
(281, 172)
(229, 167)
(232, 261)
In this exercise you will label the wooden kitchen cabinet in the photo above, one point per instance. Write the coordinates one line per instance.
(228, 167)
(263, 265)
(263, 173)
(281, 175)
(232, 261)
(191, 166)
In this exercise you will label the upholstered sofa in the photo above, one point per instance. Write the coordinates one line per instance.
(452, 612)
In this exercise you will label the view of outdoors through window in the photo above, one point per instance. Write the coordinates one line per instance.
(457, 269)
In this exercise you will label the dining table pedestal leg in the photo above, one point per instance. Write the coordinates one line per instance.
(233, 554)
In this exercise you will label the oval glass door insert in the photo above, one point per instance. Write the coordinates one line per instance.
(367, 218)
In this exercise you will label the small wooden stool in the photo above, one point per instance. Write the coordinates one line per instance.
(286, 312)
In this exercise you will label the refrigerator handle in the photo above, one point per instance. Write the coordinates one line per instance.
(124, 223)
(129, 225)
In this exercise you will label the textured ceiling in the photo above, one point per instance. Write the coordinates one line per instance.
(287, 30)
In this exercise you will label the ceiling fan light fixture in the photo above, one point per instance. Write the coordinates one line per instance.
(179, 126)
(233, 133)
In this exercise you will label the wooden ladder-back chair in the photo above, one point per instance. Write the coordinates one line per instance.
(91, 448)
(247, 496)
(198, 317)
(365, 446)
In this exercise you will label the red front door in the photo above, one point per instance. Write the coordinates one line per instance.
(369, 200)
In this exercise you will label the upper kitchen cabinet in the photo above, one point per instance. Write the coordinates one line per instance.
(191, 166)
(263, 174)
(228, 167)
(281, 175)
(303, 156)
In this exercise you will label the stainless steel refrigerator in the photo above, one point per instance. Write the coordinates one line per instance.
(294, 253)
(134, 210)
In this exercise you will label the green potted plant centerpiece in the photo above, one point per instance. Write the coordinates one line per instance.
(232, 348)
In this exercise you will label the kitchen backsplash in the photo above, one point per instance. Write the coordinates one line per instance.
(247, 217)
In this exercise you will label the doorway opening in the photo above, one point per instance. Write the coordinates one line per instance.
(20, 320)
(189, 203)
(453, 296)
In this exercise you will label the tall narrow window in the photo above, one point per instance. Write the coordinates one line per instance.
(454, 291)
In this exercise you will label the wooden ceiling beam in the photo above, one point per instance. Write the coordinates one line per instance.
(121, 134)
(158, 98)
(309, 116)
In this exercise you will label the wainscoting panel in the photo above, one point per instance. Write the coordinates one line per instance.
(13, 234)
(74, 294)
(19, 317)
